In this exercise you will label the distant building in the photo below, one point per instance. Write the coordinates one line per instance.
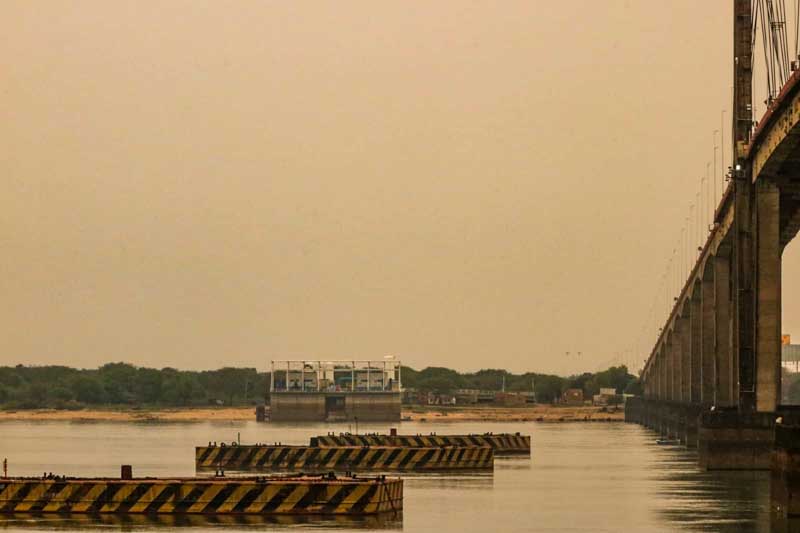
(607, 396)
(572, 397)
(412, 396)
(790, 355)
(440, 399)
(368, 391)
(486, 396)
(466, 396)
(510, 399)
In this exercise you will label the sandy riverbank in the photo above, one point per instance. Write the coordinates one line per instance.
(538, 413)
(132, 415)
(542, 413)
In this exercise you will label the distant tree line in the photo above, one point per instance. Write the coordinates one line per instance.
(122, 384)
(547, 387)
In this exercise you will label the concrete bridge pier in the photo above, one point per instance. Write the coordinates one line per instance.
(768, 296)
(741, 438)
(661, 420)
(647, 417)
(723, 349)
(655, 415)
(652, 418)
(785, 482)
(692, 425)
(664, 422)
(675, 421)
(635, 411)
(732, 440)
(671, 419)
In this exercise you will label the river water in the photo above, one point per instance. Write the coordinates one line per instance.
(580, 477)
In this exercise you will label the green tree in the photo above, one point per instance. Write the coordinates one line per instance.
(634, 387)
(119, 381)
(409, 377)
(616, 377)
(438, 384)
(489, 379)
(36, 395)
(548, 388)
(147, 385)
(88, 390)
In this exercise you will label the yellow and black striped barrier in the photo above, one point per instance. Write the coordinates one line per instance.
(501, 443)
(320, 495)
(74, 522)
(342, 458)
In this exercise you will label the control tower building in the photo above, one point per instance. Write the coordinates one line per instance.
(335, 391)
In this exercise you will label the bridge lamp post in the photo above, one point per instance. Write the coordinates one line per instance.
(699, 202)
(716, 147)
(689, 240)
(683, 252)
(708, 201)
(722, 149)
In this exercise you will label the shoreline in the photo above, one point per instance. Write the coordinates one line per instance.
(537, 413)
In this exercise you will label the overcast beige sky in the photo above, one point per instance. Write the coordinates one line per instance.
(463, 184)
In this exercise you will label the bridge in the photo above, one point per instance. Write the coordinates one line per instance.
(713, 377)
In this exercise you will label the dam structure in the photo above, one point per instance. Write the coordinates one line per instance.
(335, 391)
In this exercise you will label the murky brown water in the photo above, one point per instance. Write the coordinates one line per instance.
(581, 477)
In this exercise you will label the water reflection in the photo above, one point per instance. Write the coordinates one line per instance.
(133, 522)
(453, 482)
(691, 499)
(442, 480)
(513, 462)
(581, 477)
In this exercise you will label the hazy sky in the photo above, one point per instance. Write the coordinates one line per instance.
(464, 184)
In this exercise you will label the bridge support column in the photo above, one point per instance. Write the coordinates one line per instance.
(707, 379)
(677, 421)
(657, 375)
(677, 363)
(663, 364)
(685, 346)
(651, 413)
(652, 419)
(690, 425)
(697, 347)
(736, 437)
(669, 363)
(675, 368)
(768, 300)
(682, 343)
(723, 351)
(653, 378)
(785, 483)
(634, 410)
(734, 440)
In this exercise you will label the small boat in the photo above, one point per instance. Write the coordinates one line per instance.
(667, 442)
